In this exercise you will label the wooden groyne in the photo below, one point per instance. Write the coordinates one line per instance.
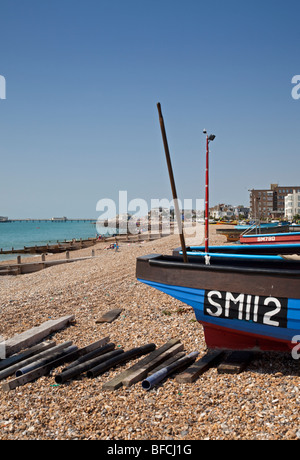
(129, 238)
(19, 268)
(75, 245)
(59, 247)
(23, 268)
(58, 220)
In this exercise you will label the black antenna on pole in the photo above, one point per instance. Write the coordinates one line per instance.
(173, 187)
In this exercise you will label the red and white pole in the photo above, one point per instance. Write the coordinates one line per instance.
(207, 197)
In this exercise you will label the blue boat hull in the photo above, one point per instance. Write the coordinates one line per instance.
(239, 310)
(241, 319)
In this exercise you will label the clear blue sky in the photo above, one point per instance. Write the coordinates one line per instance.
(80, 122)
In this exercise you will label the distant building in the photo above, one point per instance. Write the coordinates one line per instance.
(270, 203)
(241, 211)
(3, 219)
(227, 211)
(221, 211)
(292, 205)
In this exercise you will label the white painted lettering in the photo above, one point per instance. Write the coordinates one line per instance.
(270, 310)
(271, 313)
(255, 311)
(215, 304)
(248, 307)
(231, 298)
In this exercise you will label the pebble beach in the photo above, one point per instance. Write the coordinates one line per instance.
(261, 403)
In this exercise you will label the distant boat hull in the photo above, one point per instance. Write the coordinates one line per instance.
(248, 307)
(294, 228)
(283, 238)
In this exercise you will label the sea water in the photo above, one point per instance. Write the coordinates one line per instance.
(19, 234)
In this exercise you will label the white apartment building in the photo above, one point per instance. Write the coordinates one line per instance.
(292, 205)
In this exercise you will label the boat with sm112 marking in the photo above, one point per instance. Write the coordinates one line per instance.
(247, 303)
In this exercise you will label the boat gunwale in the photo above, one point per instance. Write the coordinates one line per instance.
(228, 268)
(262, 235)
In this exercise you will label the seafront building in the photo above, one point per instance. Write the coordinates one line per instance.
(292, 205)
(270, 203)
(227, 211)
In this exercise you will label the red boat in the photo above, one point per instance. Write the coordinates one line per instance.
(276, 238)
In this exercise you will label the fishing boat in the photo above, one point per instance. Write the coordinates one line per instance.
(294, 228)
(261, 225)
(243, 303)
(267, 238)
(234, 234)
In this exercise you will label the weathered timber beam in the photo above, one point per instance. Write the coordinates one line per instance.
(85, 366)
(141, 373)
(199, 367)
(140, 369)
(42, 362)
(158, 376)
(127, 356)
(236, 362)
(14, 359)
(169, 361)
(109, 316)
(43, 354)
(35, 335)
(44, 370)
(91, 355)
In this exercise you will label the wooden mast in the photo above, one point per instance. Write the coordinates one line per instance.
(173, 187)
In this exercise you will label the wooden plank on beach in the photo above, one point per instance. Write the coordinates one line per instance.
(36, 334)
(7, 372)
(117, 381)
(235, 362)
(141, 369)
(26, 268)
(44, 370)
(166, 363)
(9, 270)
(32, 351)
(199, 367)
(109, 316)
(122, 358)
